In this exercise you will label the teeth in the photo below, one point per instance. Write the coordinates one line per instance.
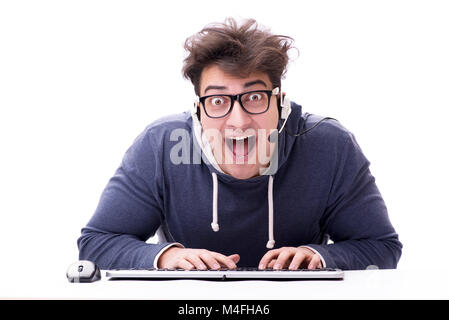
(230, 142)
(240, 138)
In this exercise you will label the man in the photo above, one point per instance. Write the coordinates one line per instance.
(276, 183)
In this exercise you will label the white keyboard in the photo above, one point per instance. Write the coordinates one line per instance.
(227, 274)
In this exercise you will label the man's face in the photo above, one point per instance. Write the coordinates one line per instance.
(239, 140)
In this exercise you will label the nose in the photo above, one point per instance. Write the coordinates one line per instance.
(238, 118)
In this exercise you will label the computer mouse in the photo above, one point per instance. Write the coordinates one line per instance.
(83, 271)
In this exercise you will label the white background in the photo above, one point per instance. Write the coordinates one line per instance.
(79, 80)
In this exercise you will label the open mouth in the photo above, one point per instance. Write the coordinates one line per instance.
(241, 146)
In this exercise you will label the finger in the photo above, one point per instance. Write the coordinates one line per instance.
(315, 263)
(297, 260)
(270, 255)
(196, 261)
(227, 262)
(234, 257)
(272, 262)
(282, 259)
(184, 264)
(209, 260)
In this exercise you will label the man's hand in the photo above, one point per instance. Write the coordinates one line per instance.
(200, 259)
(290, 257)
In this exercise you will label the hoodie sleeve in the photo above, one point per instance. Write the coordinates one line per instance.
(129, 212)
(356, 218)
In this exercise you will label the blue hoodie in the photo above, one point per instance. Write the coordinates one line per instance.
(322, 187)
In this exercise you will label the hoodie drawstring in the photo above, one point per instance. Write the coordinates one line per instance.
(214, 224)
(270, 243)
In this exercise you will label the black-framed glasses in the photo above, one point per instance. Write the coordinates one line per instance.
(252, 102)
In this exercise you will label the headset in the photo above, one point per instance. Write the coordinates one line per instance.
(284, 111)
(284, 108)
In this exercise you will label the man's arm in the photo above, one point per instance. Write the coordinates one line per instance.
(128, 213)
(356, 217)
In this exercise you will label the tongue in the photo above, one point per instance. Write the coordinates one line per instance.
(240, 148)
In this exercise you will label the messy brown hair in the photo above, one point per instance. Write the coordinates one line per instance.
(237, 50)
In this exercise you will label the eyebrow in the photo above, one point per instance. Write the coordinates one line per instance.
(246, 85)
(215, 87)
(251, 83)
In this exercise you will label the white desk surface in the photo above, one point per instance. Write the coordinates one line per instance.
(366, 284)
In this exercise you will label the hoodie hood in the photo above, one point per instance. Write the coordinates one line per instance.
(283, 147)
